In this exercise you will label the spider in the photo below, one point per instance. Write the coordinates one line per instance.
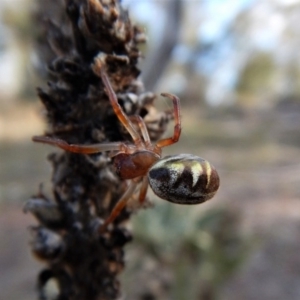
(182, 178)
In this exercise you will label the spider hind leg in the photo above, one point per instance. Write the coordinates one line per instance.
(121, 204)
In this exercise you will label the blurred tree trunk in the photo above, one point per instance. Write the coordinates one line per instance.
(159, 56)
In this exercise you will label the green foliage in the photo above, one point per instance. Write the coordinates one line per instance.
(200, 251)
(257, 76)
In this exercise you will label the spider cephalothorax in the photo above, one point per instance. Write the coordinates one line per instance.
(183, 178)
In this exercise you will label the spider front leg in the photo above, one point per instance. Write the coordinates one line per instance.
(84, 149)
(141, 123)
(177, 127)
(98, 70)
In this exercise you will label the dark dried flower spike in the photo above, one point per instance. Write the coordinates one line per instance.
(80, 264)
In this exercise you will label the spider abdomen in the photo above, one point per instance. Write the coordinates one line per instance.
(184, 179)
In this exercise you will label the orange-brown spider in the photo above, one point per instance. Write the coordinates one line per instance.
(183, 178)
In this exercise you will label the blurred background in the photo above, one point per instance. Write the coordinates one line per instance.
(235, 64)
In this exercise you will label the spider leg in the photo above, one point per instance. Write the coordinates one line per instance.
(177, 127)
(85, 149)
(119, 206)
(143, 128)
(143, 190)
(98, 69)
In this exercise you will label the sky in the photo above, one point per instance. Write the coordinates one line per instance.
(229, 54)
(221, 65)
(218, 15)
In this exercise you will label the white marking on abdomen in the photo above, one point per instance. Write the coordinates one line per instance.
(208, 173)
(197, 171)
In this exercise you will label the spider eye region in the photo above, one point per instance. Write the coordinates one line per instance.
(184, 179)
